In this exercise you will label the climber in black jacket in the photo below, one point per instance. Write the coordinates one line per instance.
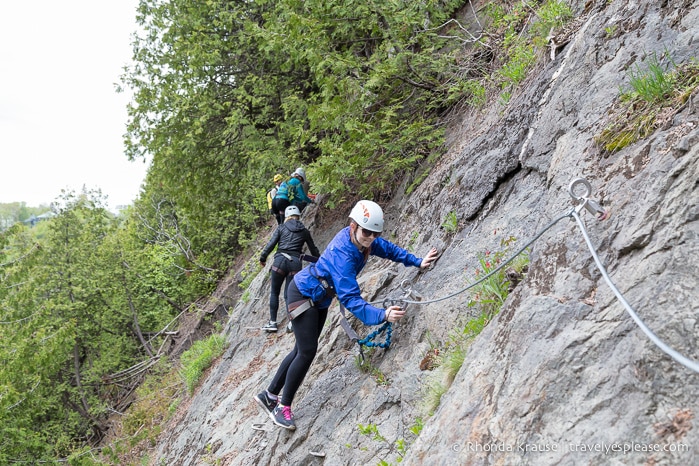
(289, 237)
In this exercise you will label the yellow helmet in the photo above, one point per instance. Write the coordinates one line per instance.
(278, 178)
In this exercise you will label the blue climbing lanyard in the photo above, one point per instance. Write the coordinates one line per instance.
(369, 342)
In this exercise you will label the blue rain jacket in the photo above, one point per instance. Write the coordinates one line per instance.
(339, 265)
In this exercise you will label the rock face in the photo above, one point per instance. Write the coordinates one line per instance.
(563, 374)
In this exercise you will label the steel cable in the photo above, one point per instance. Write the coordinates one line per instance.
(690, 364)
(487, 276)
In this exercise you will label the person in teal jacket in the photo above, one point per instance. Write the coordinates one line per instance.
(291, 192)
(297, 190)
(313, 289)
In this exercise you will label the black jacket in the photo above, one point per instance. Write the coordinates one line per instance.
(290, 237)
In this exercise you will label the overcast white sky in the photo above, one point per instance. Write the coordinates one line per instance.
(61, 120)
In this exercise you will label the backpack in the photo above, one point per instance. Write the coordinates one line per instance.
(292, 191)
(270, 195)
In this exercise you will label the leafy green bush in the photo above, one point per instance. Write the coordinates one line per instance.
(521, 29)
(551, 15)
(521, 57)
(198, 358)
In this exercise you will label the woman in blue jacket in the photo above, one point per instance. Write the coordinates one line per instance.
(312, 291)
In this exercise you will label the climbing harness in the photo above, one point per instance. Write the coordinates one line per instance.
(297, 308)
(583, 201)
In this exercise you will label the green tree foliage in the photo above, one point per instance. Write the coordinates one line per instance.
(229, 93)
(374, 82)
(13, 212)
(19, 254)
(78, 309)
(47, 296)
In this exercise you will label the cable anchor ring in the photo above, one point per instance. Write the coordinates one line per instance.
(584, 200)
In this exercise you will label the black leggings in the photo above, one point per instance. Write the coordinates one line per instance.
(279, 205)
(285, 270)
(294, 367)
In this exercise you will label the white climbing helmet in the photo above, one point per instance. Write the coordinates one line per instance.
(300, 172)
(292, 210)
(368, 215)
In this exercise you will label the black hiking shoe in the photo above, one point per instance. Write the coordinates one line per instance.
(270, 327)
(283, 417)
(266, 403)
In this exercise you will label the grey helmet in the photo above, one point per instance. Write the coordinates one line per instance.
(300, 172)
(292, 210)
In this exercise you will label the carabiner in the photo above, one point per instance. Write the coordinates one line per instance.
(388, 302)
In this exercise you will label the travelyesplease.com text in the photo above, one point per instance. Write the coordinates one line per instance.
(606, 448)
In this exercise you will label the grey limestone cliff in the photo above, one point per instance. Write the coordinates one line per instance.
(563, 374)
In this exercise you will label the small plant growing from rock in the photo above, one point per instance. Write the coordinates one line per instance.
(491, 293)
(653, 84)
(450, 223)
(488, 296)
(654, 95)
(364, 365)
(611, 31)
(400, 446)
(411, 242)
